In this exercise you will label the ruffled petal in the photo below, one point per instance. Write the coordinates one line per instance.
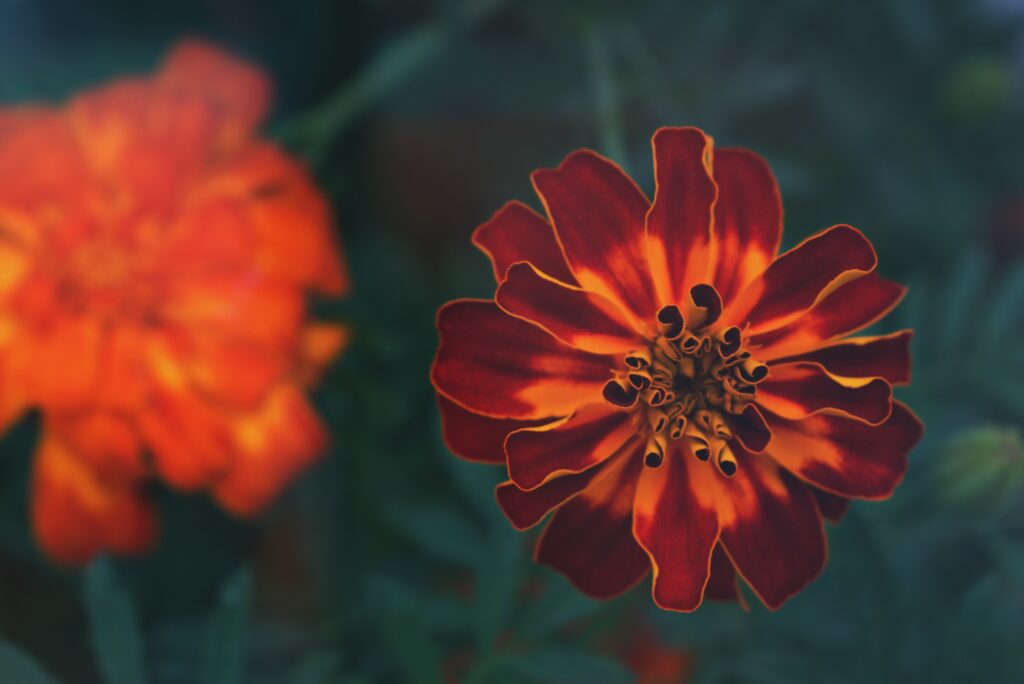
(502, 366)
(798, 278)
(884, 356)
(581, 319)
(476, 437)
(748, 219)
(517, 233)
(108, 442)
(771, 529)
(848, 308)
(589, 538)
(270, 447)
(832, 507)
(798, 390)
(58, 367)
(722, 583)
(844, 456)
(526, 508)
(679, 222)
(77, 514)
(592, 434)
(675, 520)
(598, 214)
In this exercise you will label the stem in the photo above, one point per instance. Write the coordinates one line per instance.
(606, 93)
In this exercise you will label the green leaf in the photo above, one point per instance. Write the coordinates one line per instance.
(227, 632)
(558, 666)
(497, 582)
(438, 530)
(114, 629)
(18, 667)
(559, 606)
(319, 667)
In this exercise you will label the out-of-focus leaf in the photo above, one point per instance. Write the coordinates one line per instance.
(559, 606)
(982, 470)
(498, 579)
(567, 666)
(17, 667)
(227, 632)
(320, 667)
(440, 613)
(438, 530)
(114, 630)
(412, 650)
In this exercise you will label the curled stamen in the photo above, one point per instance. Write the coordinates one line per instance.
(655, 396)
(705, 306)
(641, 380)
(671, 322)
(753, 371)
(726, 461)
(728, 341)
(639, 359)
(654, 454)
(658, 420)
(678, 427)
(619, 393)
(669, 349)
(690, 343)
(699, 447)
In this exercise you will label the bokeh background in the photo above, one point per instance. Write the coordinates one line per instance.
(389, 561)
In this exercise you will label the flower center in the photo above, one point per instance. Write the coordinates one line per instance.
(685, 383)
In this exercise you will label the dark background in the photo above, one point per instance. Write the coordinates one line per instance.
(389, 561)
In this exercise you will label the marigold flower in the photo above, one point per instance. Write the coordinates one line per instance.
(155, 256)
(684, 398)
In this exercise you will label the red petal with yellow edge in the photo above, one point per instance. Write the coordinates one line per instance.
(589, 538)
(517, 233)
(844, 456)
(237, 91)
(679, 222)
(771, 529)
(722, 581)
(885, 356)
(796, 279)
(598, 214)
(848, 308)
(748, 219)
(271, 446)
(527, 508)
(107, 441)
(751, 429)
(832, 507)
(476, 437)
(798, 390)
(77, 515)
(502, 366)
(588, 437)
(675, 520)
(582, 319)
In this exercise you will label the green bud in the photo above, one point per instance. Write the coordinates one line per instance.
(982, 470)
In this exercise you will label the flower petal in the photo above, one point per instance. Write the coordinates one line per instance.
(526, 508)
(270, 447)
(798, 390)
(592, 434)
(582, 319)
(59, 367)
(476, 437)
(748, 219)
(798, 278)
(722, 580)
(751, 429)
(844, 456)
(518, 233)
(679, 222)
(502, 366)
(675, 520)
(846, 309)
(598, 214)
(77, 515)
(771, 529)
(885, 356)
(832, 507)
(107, 441)
(589, 537)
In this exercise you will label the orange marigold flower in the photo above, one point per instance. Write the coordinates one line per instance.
(155, 256)
(684, 398)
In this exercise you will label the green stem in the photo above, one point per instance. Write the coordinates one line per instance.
(606, 93)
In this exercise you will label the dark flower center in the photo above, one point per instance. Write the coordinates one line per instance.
(685, 383)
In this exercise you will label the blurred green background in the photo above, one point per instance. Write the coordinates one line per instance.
(389, 561)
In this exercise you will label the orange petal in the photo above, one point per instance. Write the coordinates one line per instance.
(493, 363)
(748, 219)
(107, 442)
(581, 319)
(271, 447)
(58, 367)
(234, 373)
(517, 233)
(679, 222)
(589, 538)
(476, 437)
(884, 356)
(319, 345)
(77, 515)
(524, 509)
(598, 214)
(798, 390)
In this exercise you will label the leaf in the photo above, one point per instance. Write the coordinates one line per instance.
(497, 580)
(114, 630)
(18, 667)
(438, 530)
(558, 666)
(558, 607)
(227, 632)
(319, 667)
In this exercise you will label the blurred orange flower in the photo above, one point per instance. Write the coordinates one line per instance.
(682, 396)
(155, 256)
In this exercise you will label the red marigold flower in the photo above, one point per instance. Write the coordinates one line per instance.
(684, 398)
(155, 256)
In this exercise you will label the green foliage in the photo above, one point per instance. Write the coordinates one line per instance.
(227, 632)
(17, 666)
(114, 629)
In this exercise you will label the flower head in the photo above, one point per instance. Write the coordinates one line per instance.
(684, 398)
(156, 256)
